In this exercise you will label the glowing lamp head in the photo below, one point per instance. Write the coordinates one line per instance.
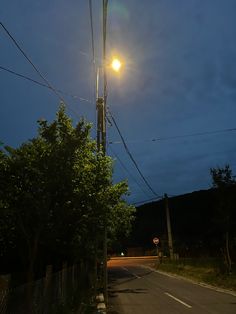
(116, 64)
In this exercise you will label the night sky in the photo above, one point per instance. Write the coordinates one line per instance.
(177, 86)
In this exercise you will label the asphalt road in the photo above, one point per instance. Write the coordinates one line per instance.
(135, 287)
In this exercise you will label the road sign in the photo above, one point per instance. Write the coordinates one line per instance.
(155, 240)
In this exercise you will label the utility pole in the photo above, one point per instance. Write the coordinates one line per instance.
(101, 144)
(105, 4)
(101, 104)
(170, 242)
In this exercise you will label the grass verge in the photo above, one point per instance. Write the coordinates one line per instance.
(201, 270)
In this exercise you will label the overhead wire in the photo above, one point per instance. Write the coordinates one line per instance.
(130, 155)
(28, 59)
(178, 136)
(42, 84)
(105, 6)
(148, 200)
(92, 46)
(104, 28)
(126, 169)
(48, 84)
(91, 27)
(35, 68)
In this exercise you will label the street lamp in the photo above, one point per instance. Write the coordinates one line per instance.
(116, 64)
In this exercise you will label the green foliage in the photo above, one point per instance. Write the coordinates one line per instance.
(58, 193)
(222, 177)
(200, 270)
(225, 184)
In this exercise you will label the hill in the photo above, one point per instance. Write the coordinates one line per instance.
(194, 224)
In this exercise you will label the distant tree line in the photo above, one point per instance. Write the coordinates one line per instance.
(56, 195)
(225, 217)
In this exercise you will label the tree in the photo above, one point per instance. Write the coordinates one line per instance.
(224, 182)
(57, 189)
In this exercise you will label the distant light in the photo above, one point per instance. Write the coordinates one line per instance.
(116, 65)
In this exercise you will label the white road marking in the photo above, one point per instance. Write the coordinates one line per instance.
(201, 284)
(178, 300)
(126, 269)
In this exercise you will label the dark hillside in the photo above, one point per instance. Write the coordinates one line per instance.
(193, 218)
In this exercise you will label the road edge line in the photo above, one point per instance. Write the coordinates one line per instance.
(178, 300)
(199, 283)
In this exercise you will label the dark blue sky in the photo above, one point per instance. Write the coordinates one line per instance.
(179, 78)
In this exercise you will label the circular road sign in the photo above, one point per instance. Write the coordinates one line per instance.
(155, 240)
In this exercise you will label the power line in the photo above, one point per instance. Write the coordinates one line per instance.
(105, 6)
(104, 28)
(126, 169)
(32, 64)
(148, 200)
(92, 45)
(131, 157)
(91, 28)
(42, 84)
(178, 136)
(94, 74)
(36, 69)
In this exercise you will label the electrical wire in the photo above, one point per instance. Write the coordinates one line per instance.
(105, 7)
(131, 156)
(91, 28)
(178, 136)
(126, 169)
(92, 46)
(42, 84)
(35, 68)
(148, 200)
(27, 58)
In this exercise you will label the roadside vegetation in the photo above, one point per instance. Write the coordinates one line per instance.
(56, 195)
(205, 270)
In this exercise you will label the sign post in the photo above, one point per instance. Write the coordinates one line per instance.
(156, 241)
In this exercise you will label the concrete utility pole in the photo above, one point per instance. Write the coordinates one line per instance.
(101, 104)
(101, 135)
(105, 4)
(170, 242)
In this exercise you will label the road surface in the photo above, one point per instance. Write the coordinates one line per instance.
(135, 287)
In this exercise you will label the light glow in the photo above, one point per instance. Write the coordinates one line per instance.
(116, 64)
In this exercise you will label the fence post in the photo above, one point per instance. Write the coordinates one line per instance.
(47, 289)
(64, 281)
